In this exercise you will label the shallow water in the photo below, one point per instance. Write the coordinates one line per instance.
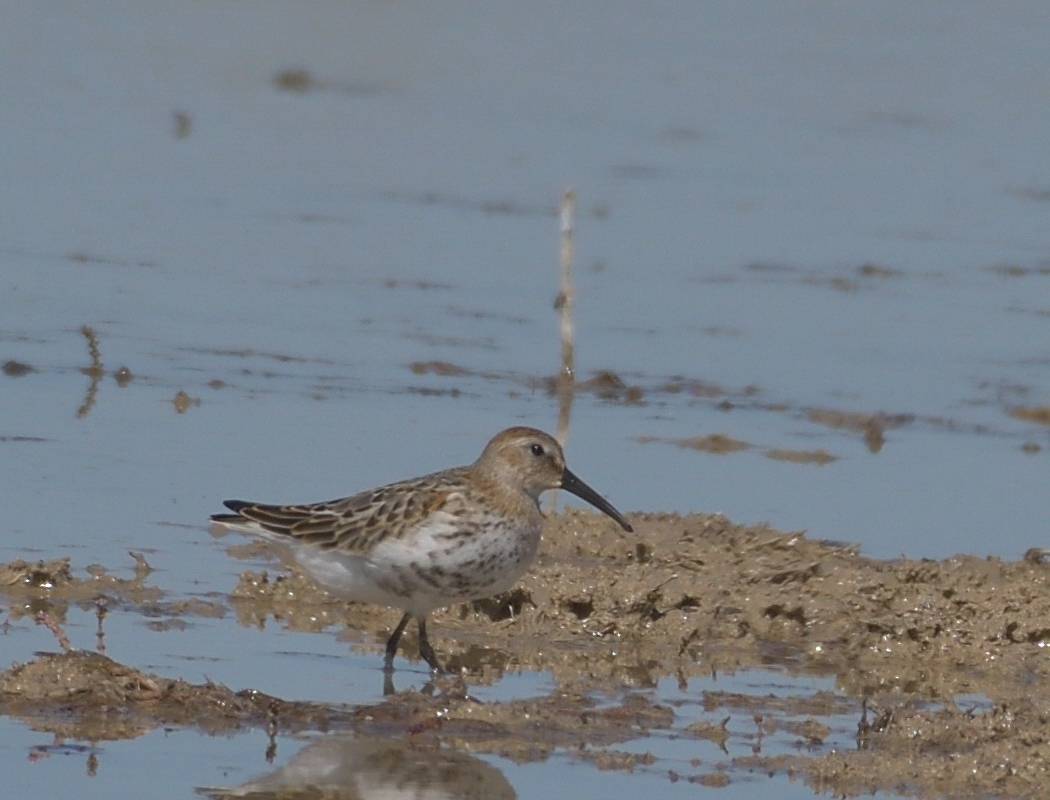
(783, 212)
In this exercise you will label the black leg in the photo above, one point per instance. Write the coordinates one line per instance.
(425, 650)
(391, 643)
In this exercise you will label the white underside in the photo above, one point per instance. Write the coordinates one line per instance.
(390, 574)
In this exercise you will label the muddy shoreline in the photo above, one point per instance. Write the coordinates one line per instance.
(608, 614)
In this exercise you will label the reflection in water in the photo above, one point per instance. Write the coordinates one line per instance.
(95, 371)
(567, 374)
(566, 381)
(340, 766)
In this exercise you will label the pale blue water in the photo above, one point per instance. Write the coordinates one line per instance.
(306, 248)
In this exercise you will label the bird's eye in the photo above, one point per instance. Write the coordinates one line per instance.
(537, 449)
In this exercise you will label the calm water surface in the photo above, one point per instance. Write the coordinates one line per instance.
(782, 210)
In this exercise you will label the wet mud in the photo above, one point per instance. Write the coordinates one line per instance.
(938, 666)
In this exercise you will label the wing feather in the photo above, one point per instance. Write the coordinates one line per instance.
(354, 524)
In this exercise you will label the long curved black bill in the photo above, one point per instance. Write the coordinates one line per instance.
(571, 483)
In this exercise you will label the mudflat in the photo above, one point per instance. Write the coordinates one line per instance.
(608, 613)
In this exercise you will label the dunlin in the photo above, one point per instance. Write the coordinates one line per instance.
(450, 537)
